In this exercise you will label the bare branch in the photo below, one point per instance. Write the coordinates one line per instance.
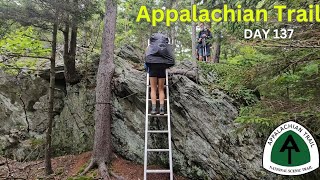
(287, 46)
(17, 68)
(13, 178)
(28, 56)
(46, 40)
(9, 170)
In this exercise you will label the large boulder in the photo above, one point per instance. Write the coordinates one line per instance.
(205, 141)
(23, 114)
(204, 138)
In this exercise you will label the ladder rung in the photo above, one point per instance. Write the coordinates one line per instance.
(158, 171)
(158, 99)
(157, 150)
(158, 131)
(168, 131)
(158, 115)
(157, 86)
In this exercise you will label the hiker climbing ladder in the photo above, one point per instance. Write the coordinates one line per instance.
(164, 132)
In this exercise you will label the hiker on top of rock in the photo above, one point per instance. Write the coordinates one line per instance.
(159, 57)
(203, 47)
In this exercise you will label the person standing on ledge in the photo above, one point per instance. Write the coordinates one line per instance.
(203, 43)
(159, 57)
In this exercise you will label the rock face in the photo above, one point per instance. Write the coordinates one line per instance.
(18, 114)
(204, 139)
(130, 52)
(205, 144)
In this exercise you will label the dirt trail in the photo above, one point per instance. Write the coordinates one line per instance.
(71, 165)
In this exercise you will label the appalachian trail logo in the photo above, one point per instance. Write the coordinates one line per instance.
(290, 150)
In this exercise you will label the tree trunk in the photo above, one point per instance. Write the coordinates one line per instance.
(217, 48)
(66, 48)
(102, 148)
(102, 143)
(69, 56)
(217, 43)
(194, 42)
(173, 28)
(193, 36)
(51, 100)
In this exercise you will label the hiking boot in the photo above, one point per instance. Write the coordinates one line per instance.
(154, 109)
(161, 109)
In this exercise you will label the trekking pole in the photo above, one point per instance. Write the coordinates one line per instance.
(205, 49)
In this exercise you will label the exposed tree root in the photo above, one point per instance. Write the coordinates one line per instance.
(88, 168)
(117, 176)
(103, 171)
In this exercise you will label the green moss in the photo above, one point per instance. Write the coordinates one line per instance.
(233, 80)
(36, 142)
(197, 172)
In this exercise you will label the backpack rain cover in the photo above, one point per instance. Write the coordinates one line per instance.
(160, 51)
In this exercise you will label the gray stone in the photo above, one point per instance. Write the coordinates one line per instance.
(129, 52)
(204, 138)
(203, 132)
(45, 74)
(17, 95)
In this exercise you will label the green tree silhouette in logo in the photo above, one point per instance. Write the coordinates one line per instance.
(290, 150)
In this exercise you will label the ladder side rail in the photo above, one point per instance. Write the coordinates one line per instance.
(146, 130)
(169, 126)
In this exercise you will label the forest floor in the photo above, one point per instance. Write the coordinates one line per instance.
(69, 166)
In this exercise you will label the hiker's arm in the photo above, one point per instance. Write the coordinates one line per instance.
(199, 37)
(209, 34)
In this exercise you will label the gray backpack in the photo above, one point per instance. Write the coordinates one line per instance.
(160, 51)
